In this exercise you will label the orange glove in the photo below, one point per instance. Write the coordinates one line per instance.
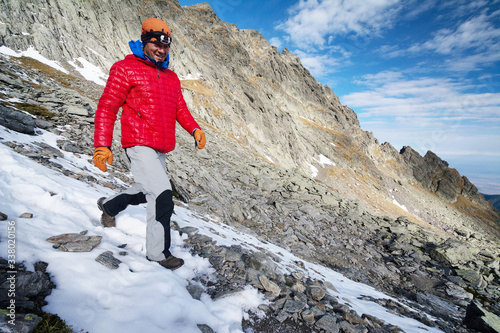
(199, 136)
(101, 156)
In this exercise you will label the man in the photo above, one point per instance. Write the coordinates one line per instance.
(152, 102)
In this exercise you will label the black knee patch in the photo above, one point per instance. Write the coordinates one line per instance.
(120, 202)
(164, 210)
(138, 199)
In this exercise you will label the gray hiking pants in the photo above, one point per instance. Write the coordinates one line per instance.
(152, 185)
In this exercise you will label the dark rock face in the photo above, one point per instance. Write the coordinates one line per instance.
(17, 121)
(436, 176)
(31, 287)
(477, 318)
(450, 185)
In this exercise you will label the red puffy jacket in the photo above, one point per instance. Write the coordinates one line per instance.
(152, 102)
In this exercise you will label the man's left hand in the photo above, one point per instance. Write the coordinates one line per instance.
(200, 137)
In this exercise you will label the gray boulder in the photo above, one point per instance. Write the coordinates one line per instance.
(453, 251)
(17, 121)
(479, 319)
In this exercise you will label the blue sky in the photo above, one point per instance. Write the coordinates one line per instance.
(422, 73)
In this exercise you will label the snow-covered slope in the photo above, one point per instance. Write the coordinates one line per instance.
(139, 296)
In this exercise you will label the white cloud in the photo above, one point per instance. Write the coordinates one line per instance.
(275, 41)
(461, 8)
(436, 114)
(469, 46)
(420, 7)
(477, 33)
(313, 22)
(475, 61)
(318, 64)
(391, 94)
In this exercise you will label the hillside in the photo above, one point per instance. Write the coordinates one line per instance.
(285, 161)
(221, 288)
(494, 199)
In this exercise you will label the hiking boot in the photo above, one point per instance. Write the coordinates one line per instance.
(107, 221)
(171, 262)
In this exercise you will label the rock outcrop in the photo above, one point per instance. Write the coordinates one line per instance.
(30, 288)
(481, 320)
(436, 176)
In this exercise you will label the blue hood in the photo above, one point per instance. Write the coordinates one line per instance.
(136, 47)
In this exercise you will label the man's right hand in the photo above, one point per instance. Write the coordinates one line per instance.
(101, 156)
(200, 138)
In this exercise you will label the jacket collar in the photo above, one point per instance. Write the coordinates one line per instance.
(136, 47)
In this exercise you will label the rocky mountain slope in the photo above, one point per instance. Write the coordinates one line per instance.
(285, 159)
(264, 100)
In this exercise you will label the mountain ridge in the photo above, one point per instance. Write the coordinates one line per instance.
(333, 118)
(285, 159)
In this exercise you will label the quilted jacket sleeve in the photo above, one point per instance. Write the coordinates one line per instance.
(113, 97)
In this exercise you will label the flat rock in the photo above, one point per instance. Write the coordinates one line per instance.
(454, 252)
(75, 242)
(328, 323)
(195, 291)
(316, 292)
(67, 238)
(293, 306)
(190, 231)
(107, 259)
(269, 285)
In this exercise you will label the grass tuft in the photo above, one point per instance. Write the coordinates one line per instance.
(33, 109)
(51, 323)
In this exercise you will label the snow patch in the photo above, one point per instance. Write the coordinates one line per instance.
(89, 71)
(398, 204)
(314, 170)
(190, 76)
(34, 54)
(323, 160)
